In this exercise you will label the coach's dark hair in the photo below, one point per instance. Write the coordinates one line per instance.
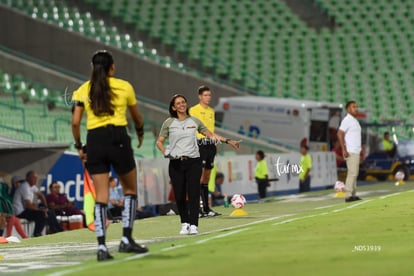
(261, 154)
(349, 103)
(173, 113)
(100, 92)
(202, 89)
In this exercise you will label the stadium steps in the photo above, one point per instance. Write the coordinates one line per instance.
(314, 16)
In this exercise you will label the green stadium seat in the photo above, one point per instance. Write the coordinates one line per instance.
(368, 55)
(47, 125)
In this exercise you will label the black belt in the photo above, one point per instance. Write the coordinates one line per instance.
(182, 158)
(206, 141)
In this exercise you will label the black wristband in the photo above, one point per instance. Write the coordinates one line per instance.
(227, 140)
(140, 131)
(78, 146)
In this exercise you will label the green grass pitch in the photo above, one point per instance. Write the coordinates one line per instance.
(314, 234)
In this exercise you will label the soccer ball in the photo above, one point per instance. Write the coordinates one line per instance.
(399, 175)
(238, 201)
(339, 186)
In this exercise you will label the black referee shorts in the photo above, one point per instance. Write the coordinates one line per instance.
(207, 154)
(109, 145)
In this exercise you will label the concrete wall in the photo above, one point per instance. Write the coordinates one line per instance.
(72, 51)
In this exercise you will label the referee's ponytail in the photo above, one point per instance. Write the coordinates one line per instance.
(100, 92)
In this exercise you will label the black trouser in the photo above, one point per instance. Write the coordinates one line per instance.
(185, 179)
(305, 185)
(262, 186)
(115, 211)
(54, 225)
(38, 216)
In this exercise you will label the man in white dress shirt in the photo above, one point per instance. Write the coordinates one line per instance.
(349, 137)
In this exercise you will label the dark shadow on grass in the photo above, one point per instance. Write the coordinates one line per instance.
(166, 256)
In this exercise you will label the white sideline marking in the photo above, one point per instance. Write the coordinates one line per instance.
(390, 195)
(134, 257)
(247, 224)
(324, 207)
(322, 214)
(352, 206)
(222, 235)
(77, 269)
(173, 247)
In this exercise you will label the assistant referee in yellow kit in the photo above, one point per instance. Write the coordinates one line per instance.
(105, 100)
(207, 147)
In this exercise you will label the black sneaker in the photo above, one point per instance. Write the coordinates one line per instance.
(203, 215)
(213, 214)
(104, 256)
(132, 247)
(349, 199)
(352, 199)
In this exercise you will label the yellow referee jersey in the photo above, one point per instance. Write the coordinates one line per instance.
(205, 115)
(124, 97)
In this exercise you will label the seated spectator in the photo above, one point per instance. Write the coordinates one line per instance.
(340, 161)
(10, 222)
(387, 144)
(25, 207)
(6, 210)
(116, 199)
(217, 196)
(143, 213)
(60, 203)
(3, 222)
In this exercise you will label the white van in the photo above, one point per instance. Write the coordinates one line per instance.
(285, 121)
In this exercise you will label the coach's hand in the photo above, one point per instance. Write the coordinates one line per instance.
(235, 144)
(140, 140)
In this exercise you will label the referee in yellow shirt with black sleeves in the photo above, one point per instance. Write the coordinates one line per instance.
(207, 147)
(105, 100)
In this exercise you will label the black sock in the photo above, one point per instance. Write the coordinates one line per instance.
(128, 215)
(101, 240)
(204, 197)
(100, 222)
